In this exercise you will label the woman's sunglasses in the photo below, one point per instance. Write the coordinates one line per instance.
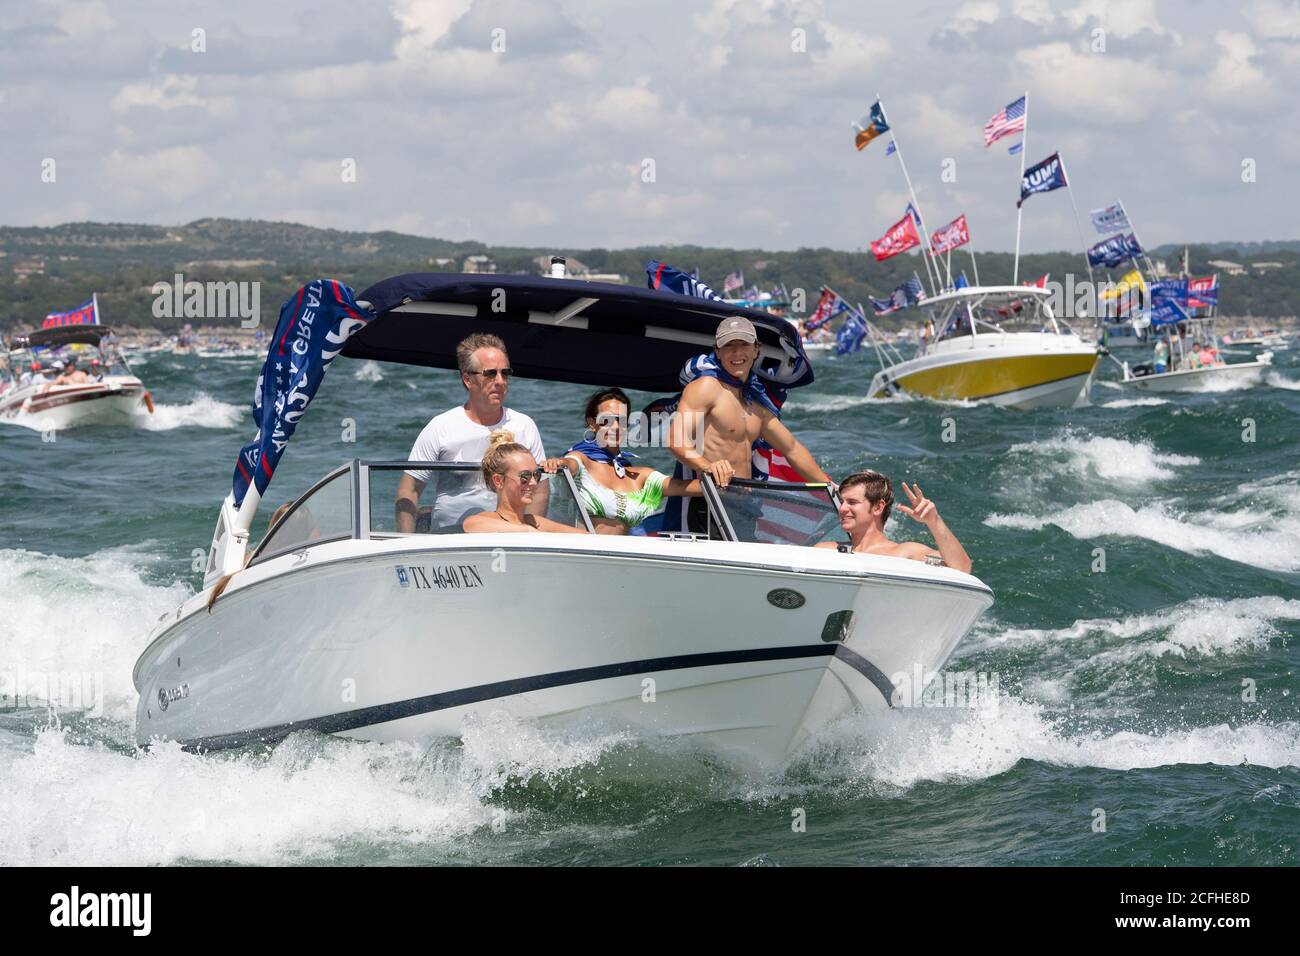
(527, 477)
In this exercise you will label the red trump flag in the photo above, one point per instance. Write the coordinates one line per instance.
(950, 236)
(900, 237)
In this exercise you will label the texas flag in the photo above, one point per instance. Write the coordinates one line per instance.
(900, 237)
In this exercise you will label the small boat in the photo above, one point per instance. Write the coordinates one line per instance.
(1259, 338)
(996, 344)
(29, 390)
(1183, 375)
(744, 642)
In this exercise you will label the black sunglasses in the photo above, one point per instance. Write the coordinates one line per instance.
(538, 475)
(491, 373)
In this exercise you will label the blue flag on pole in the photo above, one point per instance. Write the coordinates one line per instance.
(314, 324)
(1167, 312)
(1169, 290)
(1043, 177)
(852, 332)
(661, 276)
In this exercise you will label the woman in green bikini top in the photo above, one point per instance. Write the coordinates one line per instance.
(617, 494)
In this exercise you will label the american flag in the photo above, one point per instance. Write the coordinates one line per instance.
(734, 280)
(1010, 120)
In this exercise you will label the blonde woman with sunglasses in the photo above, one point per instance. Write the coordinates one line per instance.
(511, 471)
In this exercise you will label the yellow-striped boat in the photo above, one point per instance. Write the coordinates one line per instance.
(997, 344)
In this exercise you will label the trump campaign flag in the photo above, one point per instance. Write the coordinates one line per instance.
(1110, 218)
(1169, 290)
(870, 126)
(1043, 177)
(950, 236)
(1203, 293)
(900, 237)
(661, 276)
(85, 314)
(314, 324)
(829, 305)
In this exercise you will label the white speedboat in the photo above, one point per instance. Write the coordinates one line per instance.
(1266, 338)
(30, 392)
(744, 640)
(1182, 376)
(997, 344)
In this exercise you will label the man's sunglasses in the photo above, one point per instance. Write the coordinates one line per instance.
(492, 373)
(528, 477)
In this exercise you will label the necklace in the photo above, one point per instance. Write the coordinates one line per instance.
(507, 520)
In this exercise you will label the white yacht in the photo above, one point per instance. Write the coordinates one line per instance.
(744, 640)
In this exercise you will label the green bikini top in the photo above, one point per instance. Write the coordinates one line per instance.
(628, 507)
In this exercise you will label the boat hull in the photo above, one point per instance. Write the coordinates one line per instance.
(386, 640)
(1014, 377)
(60, 407)
(1216, 378)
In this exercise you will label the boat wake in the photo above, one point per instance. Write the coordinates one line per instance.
(203, 411)
(1253, 538)
(955, 745)
(1278, 380)
(1109, 459)
(368, 371)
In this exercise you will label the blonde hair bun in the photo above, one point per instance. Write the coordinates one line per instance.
(502, 436)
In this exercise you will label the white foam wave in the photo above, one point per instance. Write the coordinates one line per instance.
(1281, 381)
(1203, 626)
(369, 371)
(912, 746)
(79, 616)
(832, 403)
(1112, 459)
(203, 411)
(1262, 541)
(68, 804)
(1135, 402)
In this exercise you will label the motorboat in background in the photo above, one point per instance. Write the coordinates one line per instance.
(29, 390)
(1182, 375)
(999, 344)
(744, 640)
(1262, 338)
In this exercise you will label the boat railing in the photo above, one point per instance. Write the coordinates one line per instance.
(354, 501)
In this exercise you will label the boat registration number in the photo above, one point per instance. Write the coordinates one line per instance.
(441, 577)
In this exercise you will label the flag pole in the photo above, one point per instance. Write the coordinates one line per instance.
(1078, 224)
(1151, 269)
(973, 264)
(898, 151)
(1020, 206)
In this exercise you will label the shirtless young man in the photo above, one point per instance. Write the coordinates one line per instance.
(865, 502)
(731, 417)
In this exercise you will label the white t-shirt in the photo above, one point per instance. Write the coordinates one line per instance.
(451, 436)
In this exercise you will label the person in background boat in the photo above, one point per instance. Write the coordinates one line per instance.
(33, 376)
(1209, 356)
(1160, 360)
(462, 434)
(511, 471)
(616, 494)
(1193, 357)
(726, 413)
(96, 370)
(866, 499)
(72, 375)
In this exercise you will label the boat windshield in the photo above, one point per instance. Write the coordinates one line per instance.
(777, 512)
(453, 492)
(994, 312)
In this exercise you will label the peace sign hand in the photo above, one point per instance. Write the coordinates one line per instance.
(922, 508)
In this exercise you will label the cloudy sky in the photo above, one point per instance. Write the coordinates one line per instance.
(530, 123)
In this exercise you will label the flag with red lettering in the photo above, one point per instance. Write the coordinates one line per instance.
(85, 314)
(1203, 293)
(900, 237)
(950, 236)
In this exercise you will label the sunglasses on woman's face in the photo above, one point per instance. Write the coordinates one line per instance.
(528, 477)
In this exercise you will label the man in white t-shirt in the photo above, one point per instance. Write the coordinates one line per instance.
(461, 434)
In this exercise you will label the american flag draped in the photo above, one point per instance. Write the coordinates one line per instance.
(1008, 121)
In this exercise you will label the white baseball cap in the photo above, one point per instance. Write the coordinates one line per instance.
(735, 329)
